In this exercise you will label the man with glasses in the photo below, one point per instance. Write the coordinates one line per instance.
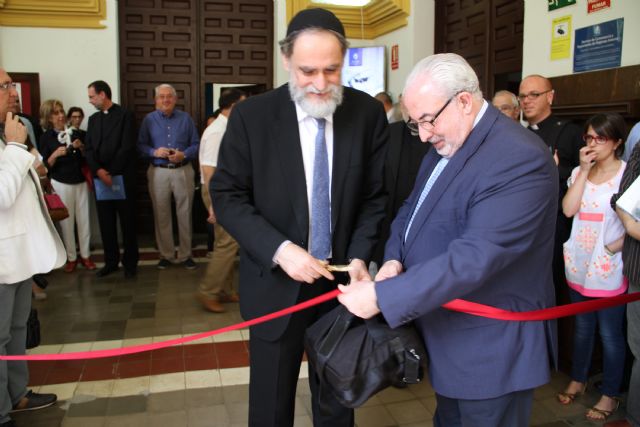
(564, 140)
(478, 226)
(507, 103)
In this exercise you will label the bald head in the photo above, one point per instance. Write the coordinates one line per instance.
(536, 98)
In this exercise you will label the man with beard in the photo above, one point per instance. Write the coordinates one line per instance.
(299, 184)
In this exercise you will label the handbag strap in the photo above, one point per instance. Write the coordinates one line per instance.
(334, 336)
(411, 367)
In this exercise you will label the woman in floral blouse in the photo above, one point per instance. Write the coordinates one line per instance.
(593, 262)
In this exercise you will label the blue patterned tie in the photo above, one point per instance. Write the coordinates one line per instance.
(427, 187)
(320, 204)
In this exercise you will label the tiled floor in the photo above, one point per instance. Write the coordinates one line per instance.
(202, 383)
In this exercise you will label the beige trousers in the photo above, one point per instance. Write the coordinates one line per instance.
(163, 183)
(222, 270)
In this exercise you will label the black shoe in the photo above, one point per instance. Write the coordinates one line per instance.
(130, 274)
(9, 423)
(163, 264)
(105, 271)
(35, 401)
(189, 264)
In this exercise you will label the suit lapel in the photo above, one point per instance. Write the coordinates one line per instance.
(452, 169)
(287, 139)
(342, 135)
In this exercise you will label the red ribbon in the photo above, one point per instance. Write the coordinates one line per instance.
(455, 305)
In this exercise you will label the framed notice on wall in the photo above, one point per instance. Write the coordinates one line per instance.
(557, 4)
(598, 46)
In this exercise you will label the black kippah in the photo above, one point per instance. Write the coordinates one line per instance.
(318, 18)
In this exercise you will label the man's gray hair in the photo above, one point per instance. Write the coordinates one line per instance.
(449, 71)
(286, 44)
(511, 95)
(163, 86)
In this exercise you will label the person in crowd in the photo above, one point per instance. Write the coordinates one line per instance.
(632, 140)
(564, 140)
(110, 149)
(631, 270)
(30, 245)
(593, 262)
(169, 138)
(216, 286)
(64, 158)
(404, 156)
(393, 111)
(507, 103)
(205, 190)
(479, 226)
(75, 116)
(299, 183)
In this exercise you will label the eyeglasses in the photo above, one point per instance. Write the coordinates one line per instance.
(427, 125)
(597, 139)
(532, 95)
(8, 85)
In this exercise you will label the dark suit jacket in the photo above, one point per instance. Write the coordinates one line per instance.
(485, 234)
(111, 144)
(404, 156)
(259, 192)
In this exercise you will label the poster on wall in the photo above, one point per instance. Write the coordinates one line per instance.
(598, 46)
(561, 38)
(557, 4)
(596, 5)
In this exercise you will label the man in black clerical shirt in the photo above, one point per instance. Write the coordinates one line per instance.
(564, 140)
(110, 150)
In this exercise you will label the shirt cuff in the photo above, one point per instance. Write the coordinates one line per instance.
(17, 144)
(280, 248)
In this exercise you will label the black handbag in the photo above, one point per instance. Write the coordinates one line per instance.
(33, 329)
(357, 358)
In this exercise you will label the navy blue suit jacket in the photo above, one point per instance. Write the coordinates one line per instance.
(485, 234)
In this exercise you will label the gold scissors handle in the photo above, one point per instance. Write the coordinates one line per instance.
(338, 268)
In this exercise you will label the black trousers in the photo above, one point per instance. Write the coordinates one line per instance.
(109, 211)
(274, 369)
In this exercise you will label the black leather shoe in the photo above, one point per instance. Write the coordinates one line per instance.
(33, 401)
(130, 274)
(105, 271)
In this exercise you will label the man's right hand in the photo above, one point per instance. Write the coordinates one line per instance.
(388, 270)
(105, 177)
(14, 131)
(300, 265)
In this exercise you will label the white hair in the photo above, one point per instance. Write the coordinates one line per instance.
(449, 71)
(511, 95)
(164, 86)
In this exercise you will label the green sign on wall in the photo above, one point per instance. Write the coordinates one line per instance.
(557, 4)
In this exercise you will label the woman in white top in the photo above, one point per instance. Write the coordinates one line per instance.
(593, 262)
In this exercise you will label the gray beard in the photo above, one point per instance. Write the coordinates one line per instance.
(316, 110)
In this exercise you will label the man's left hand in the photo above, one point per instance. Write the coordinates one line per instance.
(358, 270)
(360, 298)
(176, 157)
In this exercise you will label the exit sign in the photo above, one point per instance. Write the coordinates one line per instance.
(557, 4)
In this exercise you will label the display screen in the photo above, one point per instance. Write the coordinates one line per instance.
(364, 69)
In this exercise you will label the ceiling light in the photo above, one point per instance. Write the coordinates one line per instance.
(352, 3)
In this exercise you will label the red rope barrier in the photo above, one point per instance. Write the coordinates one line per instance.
(472, 308)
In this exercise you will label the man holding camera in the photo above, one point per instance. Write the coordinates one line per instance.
(170, 138)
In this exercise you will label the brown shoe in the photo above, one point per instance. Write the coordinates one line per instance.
(87, 263)
(229, 298)
(210, 304)
(70, 266)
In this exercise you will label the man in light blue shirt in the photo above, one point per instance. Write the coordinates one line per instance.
(170, 139)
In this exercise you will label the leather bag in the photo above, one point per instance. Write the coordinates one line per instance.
(33, 329)
(57, 210)
(357, 358)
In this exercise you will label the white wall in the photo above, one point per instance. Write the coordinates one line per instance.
(415, 41)
(67, 59)
(537, 33)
